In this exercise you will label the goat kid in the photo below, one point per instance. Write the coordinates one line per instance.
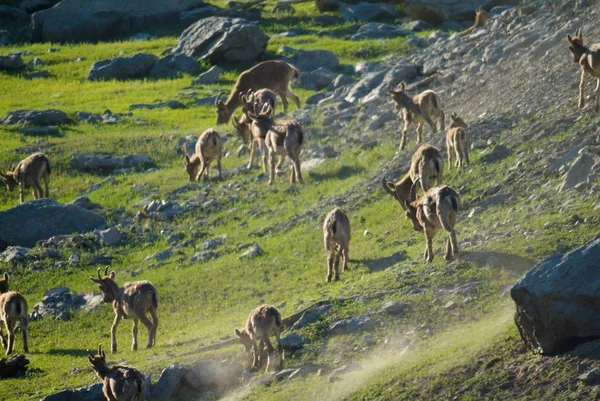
(262, 322)
(13, 310)
(119, 383)
(457, 142)
(588, 58)
(336, 237)
(208, 148)
(27, 174)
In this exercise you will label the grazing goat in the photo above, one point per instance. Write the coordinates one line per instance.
(588, 58)
(119, 383)
(457, 142)
(420, 109)
(284, 137)
(262, 322)
(336, 236)
(13, 309)
(132, 301)
(481, 18)
(208, 148)
(262, 97)
(426, 165)
(28, 174)
(273, 74)
(436, 209)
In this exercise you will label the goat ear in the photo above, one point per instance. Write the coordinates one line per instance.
(239, 333)
(252, 116)
(93, 280)
(234, 121)
(90, 357)
(6, 276)
(187, 159)
(569, 38)
(402, 86)
(112, 275)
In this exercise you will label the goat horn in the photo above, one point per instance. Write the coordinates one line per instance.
(413, 190)
(99, 349)
(99, 277)
(106, 270)
(218, 97)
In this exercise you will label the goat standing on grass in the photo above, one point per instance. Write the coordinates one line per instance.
(262, 322)
(119, 383)
(588, 58)
(436, 209)
(457, 142)
(481, 18)
(421, 109)
(208, 148)
(132, 301)
(28, 174)
(273, 74)
(284, 137)
(336, 236)
(426, 166)
(13, 309)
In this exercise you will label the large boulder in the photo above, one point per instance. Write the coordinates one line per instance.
(13, 13)
(375, 30)
(99, 163)
(32, 6)
(30, 222)
(90, 393)
(11, 62)
(310, 60)
(35, 117)
(174, 65)
(83, 20)
(369, 12)
(438, 11)
(558, 301)
(121, 68)
(220, 39)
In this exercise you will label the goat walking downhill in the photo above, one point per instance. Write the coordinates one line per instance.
(132, 301)
(336, 237)
(421, 109)
(119, 383)
(262, 322)
(27, 174)
(457, 142)
(13, 310)
(208, 148)
(588, 58)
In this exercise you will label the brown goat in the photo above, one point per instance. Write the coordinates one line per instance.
(457, 142)
(436, 209)
(481, 18)
(336, 236)
(273, 74)
(13, 309)
(208, 148)
(426, 165)
(132, 301)
(284, 137)
(588, 58)
(262, 322)
(28, 174)
(420, 109)
(119, 383)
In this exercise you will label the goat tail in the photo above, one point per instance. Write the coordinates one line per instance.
(154, 299)
(443, 210)
(48, 167)
(300, 135)
(140, 388)
(295, 72)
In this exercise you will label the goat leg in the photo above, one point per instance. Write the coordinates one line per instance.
(582, 88)
(597, 107)
(134, 334)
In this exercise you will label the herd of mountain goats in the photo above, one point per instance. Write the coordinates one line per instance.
(256, 93)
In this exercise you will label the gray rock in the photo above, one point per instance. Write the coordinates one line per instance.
(293, 341)
(141, 36)
(317, 79)
(379, 120)
(169, 104)
(340, 81)
(60, 303)
(326, 20)
(174, 65)
(347, 326)
(81, 20)
(4, 38)
(591, 378)
(252, 253)
(342, 370)
(42, 131)
(14, 254)
(417, 26)
(369, 12)
(558, 301)
(204, 376)
(37, 75)
(170, 380)
(375, 30)
(364, 86)
(160, 256)
(310, 316)
(32, 6)
(44, 218)
(189, 17)
(86, 203)
(394, 308)
(13, 13)
(122, 68)
(317, 97)
(98, 163)
(450, 25)
(177, 237)
(493, 53)
(498, 153)
(211, 76)
(35, 117)
(220, 39)
(90, 393)
(579, 172)
(204, 256)
(310, 60)
(212, 243)
(438, 11)
(110, 236)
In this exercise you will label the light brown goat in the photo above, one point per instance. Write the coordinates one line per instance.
(262, 322)
(336, 236)
(457, 142)
(119, 383)
(273, 74)
(208, 148)
(13, 310)
(421, 109)
(283, 137)
(436, 209)
(426, 165)
(132, 301)
(588, 58)
(28, 174)
(481, 18)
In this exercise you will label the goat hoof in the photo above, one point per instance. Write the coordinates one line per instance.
(337, 278)
(328, 279)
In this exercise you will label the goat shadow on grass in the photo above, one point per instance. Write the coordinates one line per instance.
(382, 263)
(342, 173)
(513, 263)
(69, 352)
